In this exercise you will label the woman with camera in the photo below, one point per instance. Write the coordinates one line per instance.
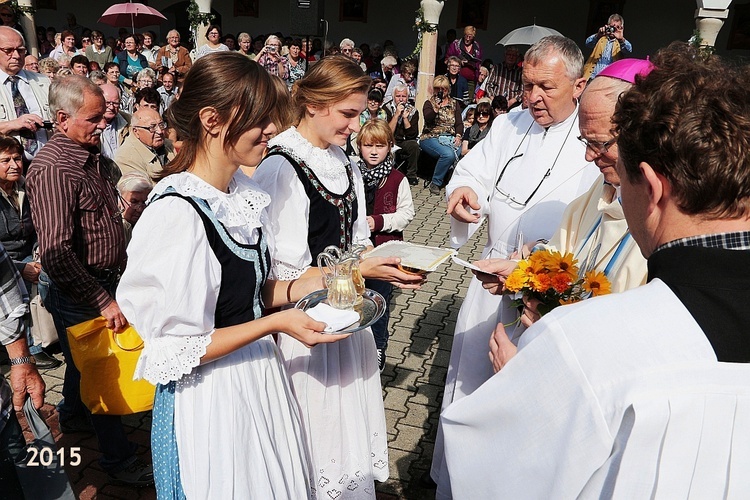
(271, 59)
(443, 128)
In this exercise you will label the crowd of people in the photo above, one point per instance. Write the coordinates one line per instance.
(190, 192)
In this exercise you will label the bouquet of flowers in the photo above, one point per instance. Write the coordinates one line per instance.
(555, 280)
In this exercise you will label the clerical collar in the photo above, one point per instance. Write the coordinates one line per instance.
(739, 240)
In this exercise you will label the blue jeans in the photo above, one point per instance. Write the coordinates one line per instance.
(446, 157)
(117, 451)
(380, 327)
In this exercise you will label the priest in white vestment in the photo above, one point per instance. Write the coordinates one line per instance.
(520, 178)
(646, 393)
(593, 227)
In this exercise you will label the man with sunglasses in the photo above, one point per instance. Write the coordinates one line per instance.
(24, 107)
(146, 149)
(74, 204)
(520, 178)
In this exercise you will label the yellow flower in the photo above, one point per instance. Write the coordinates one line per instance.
(564, 264)
(597, 283)
(517, 280)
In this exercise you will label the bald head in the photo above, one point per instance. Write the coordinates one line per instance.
(11, 39)
(595, 122)
(146, 127)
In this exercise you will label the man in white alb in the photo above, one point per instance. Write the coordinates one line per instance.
(520, 178)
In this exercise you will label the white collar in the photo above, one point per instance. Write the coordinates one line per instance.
(241, 207)
(329, 163)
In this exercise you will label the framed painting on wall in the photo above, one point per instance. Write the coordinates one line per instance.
(473, 13)
(46, 4)
(246, 8)
(353, 10)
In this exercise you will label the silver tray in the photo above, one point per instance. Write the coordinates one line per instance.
(371, 309)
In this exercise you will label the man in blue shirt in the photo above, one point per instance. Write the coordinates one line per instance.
(609, 45)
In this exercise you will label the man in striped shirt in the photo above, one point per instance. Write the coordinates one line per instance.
(71, 188)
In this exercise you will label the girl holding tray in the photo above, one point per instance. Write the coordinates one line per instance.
(317, 200)
(225, 422)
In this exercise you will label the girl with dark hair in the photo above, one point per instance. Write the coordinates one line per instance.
(225, 424)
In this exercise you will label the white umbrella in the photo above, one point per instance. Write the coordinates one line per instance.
(528, 35)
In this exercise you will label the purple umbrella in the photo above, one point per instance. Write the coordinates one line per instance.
(135, 15)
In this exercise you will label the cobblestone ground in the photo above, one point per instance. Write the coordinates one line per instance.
(422, 324)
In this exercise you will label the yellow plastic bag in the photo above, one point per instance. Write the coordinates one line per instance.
(107, 360)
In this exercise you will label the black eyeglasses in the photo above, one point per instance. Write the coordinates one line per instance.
(509, 196)
(9, 51)
(483, 113)
(156, 127)
(597, 147)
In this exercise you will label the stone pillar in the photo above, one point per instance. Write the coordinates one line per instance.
(26, 20)
(709, 18)
(204, 6)
(432, 9)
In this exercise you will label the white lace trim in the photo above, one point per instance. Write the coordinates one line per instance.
(284, 272)
(168, 358)
(241, 207)
(329, 163)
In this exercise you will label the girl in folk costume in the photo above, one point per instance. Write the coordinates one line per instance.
(225, 422)
(389, 208)
(317, 200)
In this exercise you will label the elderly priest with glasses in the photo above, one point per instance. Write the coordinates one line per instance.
(520, 178)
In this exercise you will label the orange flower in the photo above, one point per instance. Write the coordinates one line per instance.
(540, 282)
(561, 282)
(597, 283)
(564, 264)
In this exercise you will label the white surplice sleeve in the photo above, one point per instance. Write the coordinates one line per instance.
(170, 289)
(478, 170)
(288, 213)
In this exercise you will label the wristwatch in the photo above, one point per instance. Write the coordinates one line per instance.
(23, 360)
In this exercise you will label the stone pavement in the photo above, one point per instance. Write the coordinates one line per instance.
(422, 324)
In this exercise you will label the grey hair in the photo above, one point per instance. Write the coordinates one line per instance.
(614, 18)
(401, 88)
(134, 182)
(63, 59)
(388, 60)
(272, 38)
(346, 42)
(98, 77)
(170, 32)
(243, 36)
(561, 46)
(146, 72)
(69, 94)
